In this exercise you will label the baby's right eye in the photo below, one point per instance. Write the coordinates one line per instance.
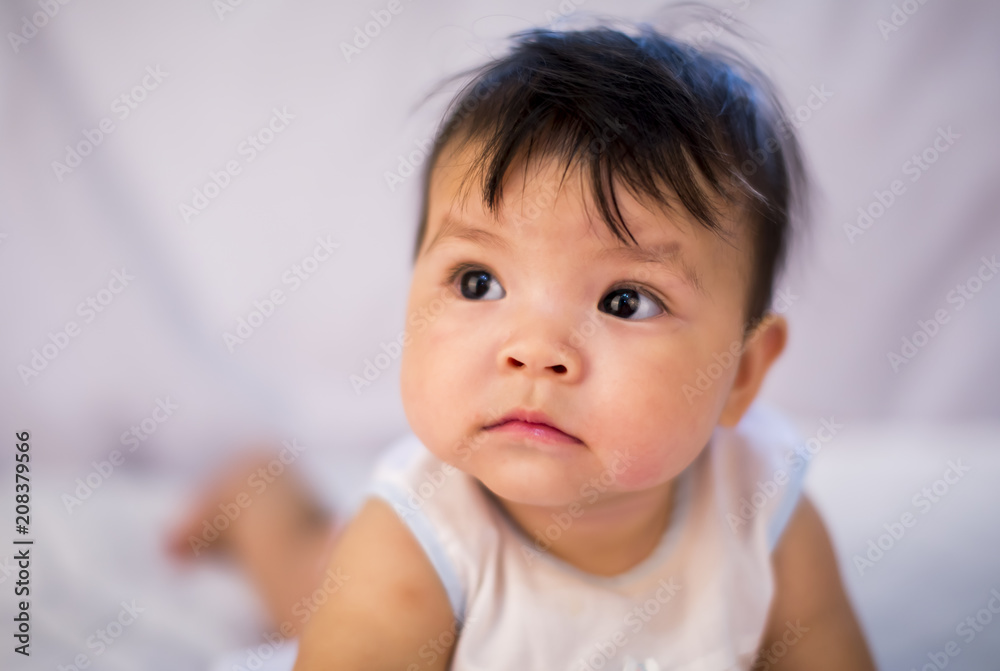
(478, 284)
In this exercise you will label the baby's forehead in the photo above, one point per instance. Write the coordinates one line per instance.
(549, 182)
(653, 233)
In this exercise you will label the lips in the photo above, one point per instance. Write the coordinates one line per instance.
(532, 424)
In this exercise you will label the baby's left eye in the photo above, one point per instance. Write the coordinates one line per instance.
(630, 303)
(477, 284)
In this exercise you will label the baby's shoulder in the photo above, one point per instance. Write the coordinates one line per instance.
(387, 601)
(446, 510)
(421, 487)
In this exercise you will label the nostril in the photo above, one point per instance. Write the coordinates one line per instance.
(559, 368)
(514, 362)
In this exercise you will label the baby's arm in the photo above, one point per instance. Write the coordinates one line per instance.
(811, 622)
(390, 605)
(280, 536)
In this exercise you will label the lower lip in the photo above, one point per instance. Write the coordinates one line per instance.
(539, 432)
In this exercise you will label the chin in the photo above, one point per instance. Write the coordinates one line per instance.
(531, 491)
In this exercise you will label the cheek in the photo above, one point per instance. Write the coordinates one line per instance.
(425, 311)
(435, 371)
(658, 454)
(643, 416)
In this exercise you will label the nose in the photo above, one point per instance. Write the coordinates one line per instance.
(537, 356)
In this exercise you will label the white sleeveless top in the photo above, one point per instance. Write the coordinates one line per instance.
(699, 602)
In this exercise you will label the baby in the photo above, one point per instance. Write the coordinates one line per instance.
(588, 485)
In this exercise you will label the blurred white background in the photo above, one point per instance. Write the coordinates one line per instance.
(182, 85)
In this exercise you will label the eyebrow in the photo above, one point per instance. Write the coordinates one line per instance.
(669, 255)
(453, 228)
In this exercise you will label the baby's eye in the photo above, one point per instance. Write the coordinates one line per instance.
(480, 285)
(630, 303)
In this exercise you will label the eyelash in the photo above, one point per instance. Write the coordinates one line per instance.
(645, 291)
(461, 268)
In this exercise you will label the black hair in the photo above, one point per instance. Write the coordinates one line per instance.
(667, 120)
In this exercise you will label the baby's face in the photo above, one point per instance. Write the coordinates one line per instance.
(546, 311)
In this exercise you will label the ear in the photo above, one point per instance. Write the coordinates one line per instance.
(762, 347)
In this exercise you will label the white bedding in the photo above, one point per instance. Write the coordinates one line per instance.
(910, 602)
